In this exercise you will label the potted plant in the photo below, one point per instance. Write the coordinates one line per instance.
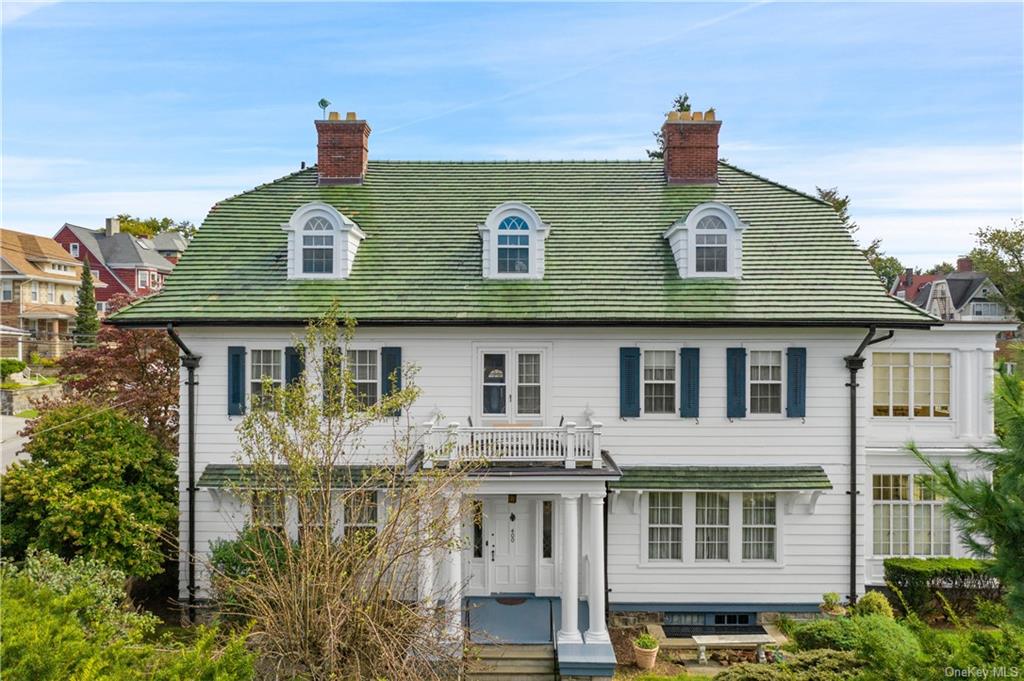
(645, 651)
(831, 606)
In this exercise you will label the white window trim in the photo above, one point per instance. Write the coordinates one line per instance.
(7, 294)
(953, 387)
(375, 349)
(654, 416)
(511, 415)
(685, 230)
(785, 376)
(689, 560)
(538, 232)
(34, 292)
(142, 279)
(249, 353)
(347, 236)
(73, 249)
(910, 525)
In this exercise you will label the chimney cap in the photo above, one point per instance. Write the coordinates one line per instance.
(334, 116)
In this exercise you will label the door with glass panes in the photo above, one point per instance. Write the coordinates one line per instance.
(511, 387)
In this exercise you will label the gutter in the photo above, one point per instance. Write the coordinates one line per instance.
(855, 363)
(190, 362)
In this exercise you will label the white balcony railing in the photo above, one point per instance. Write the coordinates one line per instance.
(568, 443)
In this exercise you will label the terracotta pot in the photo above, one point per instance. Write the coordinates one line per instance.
(645, 659)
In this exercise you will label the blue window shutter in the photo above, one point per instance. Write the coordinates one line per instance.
(293, 365)
(629, 382)
(736, 382)
(390, 363)
(689, 382)
(236, 381)
(796, 382)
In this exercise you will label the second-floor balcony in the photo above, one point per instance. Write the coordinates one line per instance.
(568, 444)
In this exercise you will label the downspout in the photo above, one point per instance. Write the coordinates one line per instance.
(855, 363)
(190, 362)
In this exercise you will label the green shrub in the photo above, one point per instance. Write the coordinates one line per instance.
(961, 579)
(10, 366)
(645, 641)
(888, 648)
(834, 634)
(749, 671)
(823, 665)
(873, 603)
(45, 638)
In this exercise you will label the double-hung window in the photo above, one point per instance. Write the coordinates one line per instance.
(73, 249)
(665, 526)
(513, 246)
(911, 383)
(987, 309)
(361, 515)
(35, 292)
(266, 365)
(712, 245)
(143, 279)
(908, 517)
(51, 293)
(8, 290)
(712, 523)
(269, 511)
(759, 526)
(317, 246)
(766, 382)
(659, 381)
(364, 367)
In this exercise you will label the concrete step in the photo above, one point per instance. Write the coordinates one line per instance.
(511, 662)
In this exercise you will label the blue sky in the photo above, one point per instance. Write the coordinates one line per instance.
(915, 110)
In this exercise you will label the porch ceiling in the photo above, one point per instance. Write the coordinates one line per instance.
(713, 478)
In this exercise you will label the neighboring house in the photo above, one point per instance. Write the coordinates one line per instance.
(125, 264)
(170, 245)
(39, 295)
(963, 296)
(690, 326)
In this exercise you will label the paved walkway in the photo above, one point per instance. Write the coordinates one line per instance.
(11, 441)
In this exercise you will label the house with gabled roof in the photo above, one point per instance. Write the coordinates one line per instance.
(125, 264)
(39, 295)
(710, 389)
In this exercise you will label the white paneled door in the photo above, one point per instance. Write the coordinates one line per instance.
(510, 524)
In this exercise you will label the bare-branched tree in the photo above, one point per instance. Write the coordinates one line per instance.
(333, 571)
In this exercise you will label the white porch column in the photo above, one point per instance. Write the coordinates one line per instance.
(570, 630)
(453, 596)
(598, 632)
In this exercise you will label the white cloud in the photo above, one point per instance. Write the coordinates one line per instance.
(925, 203)
(13, 11)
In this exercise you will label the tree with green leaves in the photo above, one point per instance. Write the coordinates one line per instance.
(944, 267)
(97, 485)
(841, 204)
(681, 103)
(148, 227)
(1000, 255)
(87, 322)
(990, 513)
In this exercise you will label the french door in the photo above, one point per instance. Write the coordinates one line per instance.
(511, 387)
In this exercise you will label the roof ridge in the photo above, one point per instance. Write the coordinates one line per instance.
(262, 185)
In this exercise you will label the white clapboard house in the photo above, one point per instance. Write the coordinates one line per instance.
(729, 386)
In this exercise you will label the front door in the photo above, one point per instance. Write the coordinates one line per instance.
(509, 525)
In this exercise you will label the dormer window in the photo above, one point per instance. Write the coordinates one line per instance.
(317, 246)
(708, 242)
(513, 243)
(322, 242)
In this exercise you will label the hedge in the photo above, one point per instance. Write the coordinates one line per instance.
(10, 366)
(961, 580)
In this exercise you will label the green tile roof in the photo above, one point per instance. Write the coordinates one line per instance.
(234, 475)
(606, 260)
(715, 478)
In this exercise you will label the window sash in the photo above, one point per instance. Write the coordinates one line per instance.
(712, 526)
(765, 381)
(35, 292)
(361, 510)
(364, 369)
(659, 378)
(528, 384)
(513, 246)
(263, 364)
(317, 253)
(8, 291)
(912, 383)
(74, 250)
(908, 518)
(759, 526)
(665, 526)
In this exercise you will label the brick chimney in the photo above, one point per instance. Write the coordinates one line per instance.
(964, 264)
(113, 226)
(342, 149)
(691, 147)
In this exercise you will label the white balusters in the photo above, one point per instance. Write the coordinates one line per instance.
(569, 443)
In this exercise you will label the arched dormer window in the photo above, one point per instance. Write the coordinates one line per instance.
(708, 242)
(513, 242)
(322, 242)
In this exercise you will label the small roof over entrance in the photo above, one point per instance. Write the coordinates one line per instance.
(715, 478)
(217, 475)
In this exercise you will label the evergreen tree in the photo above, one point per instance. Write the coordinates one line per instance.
(681, 103)
(87, 322)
